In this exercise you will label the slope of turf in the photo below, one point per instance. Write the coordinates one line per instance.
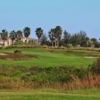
(40, 95)
(47, 58)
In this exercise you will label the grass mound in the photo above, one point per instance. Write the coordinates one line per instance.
(16, 56)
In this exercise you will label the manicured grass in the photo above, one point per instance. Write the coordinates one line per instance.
(40, 95)
(93, 91)
(47, 57)
(46, 97)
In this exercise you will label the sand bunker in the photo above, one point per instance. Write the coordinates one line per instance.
(90, 57)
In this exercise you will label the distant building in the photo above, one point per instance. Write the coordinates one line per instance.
(8, 42)
(1, 42)
(32, 40)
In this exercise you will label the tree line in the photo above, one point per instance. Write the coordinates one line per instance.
(56, 37)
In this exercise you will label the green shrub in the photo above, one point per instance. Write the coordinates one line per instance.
(81, 73)
(95, 68)
(17, 51)
(15, 73)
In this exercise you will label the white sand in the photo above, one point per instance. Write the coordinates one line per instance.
(3, 54)
(90, 57)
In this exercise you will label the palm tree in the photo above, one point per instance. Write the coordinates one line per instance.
(58, 32)
(4, 35)
(39, 33)
(94, 41)
(12, 35)
(19, 35)
(26, 32)
(51, 35)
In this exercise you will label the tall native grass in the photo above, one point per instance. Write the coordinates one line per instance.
(62, 78)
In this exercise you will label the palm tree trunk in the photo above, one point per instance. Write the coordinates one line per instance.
(57, 43)
(87, 43)
(26, 40)
(3, 44)
(12, 42)
(39, 41)
(52, 43)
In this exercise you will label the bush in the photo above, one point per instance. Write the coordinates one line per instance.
(69, 46)
(95, 68)
(17, 51)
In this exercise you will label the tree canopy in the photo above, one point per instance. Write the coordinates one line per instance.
(55, 37)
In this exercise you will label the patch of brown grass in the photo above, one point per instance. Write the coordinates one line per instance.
(16, 56)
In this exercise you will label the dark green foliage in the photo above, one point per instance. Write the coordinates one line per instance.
(19, 35)
(27, 31)
(40, 76)
(15, 73)
(67, 37)
(39, 32)
(95, 68)
(13, 35)
(51, 35)
(81, 73)
(97, 45)
(17, 51)
(43, 39)
(79, 38)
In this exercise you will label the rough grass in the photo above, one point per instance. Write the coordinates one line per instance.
(51, 57)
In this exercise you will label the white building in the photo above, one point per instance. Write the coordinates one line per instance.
(8, 42)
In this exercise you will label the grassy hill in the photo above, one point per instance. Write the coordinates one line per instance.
(51, 57)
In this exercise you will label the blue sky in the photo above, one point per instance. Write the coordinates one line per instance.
(71, 15)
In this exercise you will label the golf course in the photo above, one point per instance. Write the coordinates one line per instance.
(52, 57)
(37, 79)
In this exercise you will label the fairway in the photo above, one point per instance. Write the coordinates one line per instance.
(50, 57)
(45, 96)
